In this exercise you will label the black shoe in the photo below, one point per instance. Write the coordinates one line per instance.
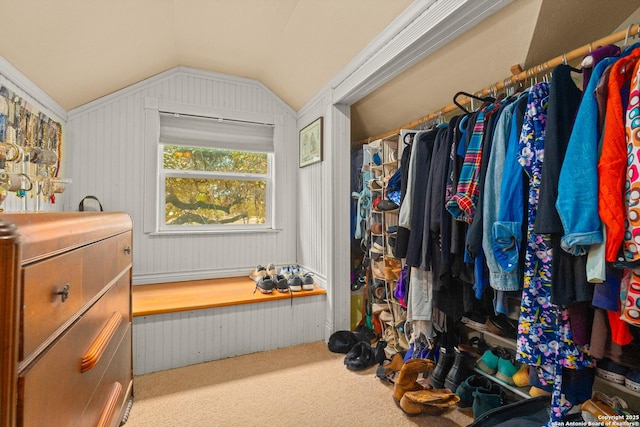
(445, 361)
(463, 368)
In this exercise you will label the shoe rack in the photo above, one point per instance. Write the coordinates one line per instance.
(631, 397)
(383, 161)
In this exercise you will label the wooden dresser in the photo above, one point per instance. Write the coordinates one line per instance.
(65, 319)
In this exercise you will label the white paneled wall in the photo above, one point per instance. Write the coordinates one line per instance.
(314, 198)
(166, 341)
(106, 139)
(323, 223)
(107, 159)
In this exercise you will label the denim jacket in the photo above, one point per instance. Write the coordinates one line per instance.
(506, 232)
(577, 202)
(499, 279)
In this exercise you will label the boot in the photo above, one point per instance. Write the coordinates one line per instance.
(408, 376)
(445, 362)
(461, 370)
(430, 402)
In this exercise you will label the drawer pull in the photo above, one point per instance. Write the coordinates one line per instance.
(127, 250)
(95, 352)
(110, 407)
(64, 292)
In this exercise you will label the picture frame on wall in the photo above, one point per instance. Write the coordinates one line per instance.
(310, 143)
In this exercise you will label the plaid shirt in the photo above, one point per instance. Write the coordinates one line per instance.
(463, 204)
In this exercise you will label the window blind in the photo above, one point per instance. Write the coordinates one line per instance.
(207, 132)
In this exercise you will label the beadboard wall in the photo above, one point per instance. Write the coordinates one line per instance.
(167, 341)
(106, 140)
(323, 224)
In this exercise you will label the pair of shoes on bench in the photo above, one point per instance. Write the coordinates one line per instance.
(304, 283)
(262, 271)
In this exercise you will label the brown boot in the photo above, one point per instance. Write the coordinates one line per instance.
(408, 376)
(430, 402)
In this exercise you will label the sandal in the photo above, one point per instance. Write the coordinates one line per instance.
(389, 371)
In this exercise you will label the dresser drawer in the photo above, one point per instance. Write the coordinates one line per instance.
(43, 309)
(86, 271)
(105, 406)
(55, 386)
(124, 251)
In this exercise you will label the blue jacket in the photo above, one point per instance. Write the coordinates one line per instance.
(577, 202)
(506, 232)
(499, 279)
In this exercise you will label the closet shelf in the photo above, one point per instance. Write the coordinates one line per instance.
(620, 387)
(506, 342)
(520, 391)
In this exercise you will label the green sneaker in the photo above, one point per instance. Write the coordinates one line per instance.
(507, 368)
(488, 363)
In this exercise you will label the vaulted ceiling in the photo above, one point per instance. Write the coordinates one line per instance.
(78, 50)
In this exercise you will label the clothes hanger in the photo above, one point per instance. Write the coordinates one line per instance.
(471, 97)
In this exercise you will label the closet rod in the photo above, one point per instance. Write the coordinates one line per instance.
(632, 30)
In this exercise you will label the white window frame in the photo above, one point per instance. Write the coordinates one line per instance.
(154, 207)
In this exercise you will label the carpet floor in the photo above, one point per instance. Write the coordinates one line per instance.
(303, 385)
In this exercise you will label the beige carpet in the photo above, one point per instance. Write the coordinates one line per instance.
(304, 385)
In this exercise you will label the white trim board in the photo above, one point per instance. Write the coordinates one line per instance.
(15, 77)
(176, 71)
(418, 31)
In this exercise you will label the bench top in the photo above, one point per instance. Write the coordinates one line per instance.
(172, 297)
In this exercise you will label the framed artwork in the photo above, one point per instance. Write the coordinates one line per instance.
(311, 143)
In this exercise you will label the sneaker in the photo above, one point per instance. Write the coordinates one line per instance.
(295, 271)
(521, 378)
(258, 273)
(282, 284)
(488, 363)
(307, 282)
(272, 270)
(507, 368)
(265, 284)
(609, 370)
(285, 271)
(295, 283)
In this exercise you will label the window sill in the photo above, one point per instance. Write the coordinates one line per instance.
(199, 232)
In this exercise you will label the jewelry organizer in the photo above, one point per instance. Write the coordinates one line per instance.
(30, 154)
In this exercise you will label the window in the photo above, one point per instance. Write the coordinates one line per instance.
(214, 173)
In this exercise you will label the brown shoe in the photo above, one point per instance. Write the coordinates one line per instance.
(430, 402)
(408, 376)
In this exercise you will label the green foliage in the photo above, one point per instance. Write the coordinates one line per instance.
(214, 200)
(213, 160)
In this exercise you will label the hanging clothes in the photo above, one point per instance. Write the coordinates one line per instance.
(613, 160)
(544, 334)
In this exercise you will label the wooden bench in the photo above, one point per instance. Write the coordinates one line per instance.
(173, 297)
